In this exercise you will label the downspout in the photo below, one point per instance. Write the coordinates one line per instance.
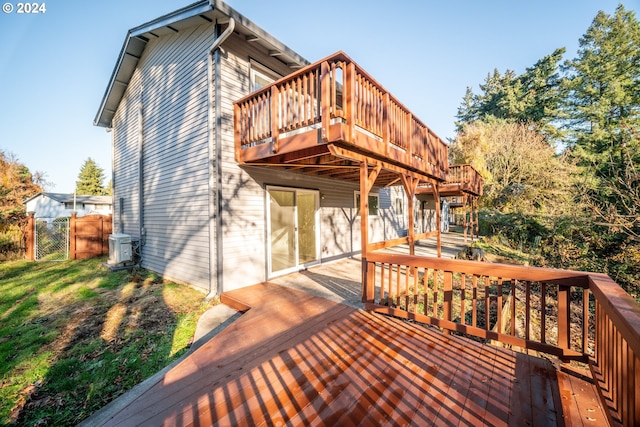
(113, 180)
(215, 146)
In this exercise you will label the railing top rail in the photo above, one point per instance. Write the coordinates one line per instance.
(465, 166)
(619, 306)
(516, 272)
(316, 65)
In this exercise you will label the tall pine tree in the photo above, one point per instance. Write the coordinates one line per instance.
(533, 97)
(603, 108)
(90, 179)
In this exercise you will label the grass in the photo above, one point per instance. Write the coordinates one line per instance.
(74, 336)
(498, 251)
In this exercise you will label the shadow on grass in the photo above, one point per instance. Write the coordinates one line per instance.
(74, 336)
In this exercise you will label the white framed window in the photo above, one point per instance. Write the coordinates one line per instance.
(399, 206)
(374, 202)
(260, 76)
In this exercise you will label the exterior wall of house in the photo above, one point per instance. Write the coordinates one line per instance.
(44, 207)
(171, 84)
(125, 128)
(243, 209)
(427, 214)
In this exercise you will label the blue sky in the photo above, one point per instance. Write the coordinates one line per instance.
(54, 66)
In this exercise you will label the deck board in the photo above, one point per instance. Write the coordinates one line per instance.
(296, 359)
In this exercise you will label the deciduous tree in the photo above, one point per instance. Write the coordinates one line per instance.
(16, 185)
(521, 171)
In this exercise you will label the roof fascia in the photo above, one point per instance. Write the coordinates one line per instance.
(98, 121)
(251, 26)
(168, 19)
(135, 43)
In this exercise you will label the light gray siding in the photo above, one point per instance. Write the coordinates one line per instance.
(243, 209)
(126, 194)
(176, 156)
(171, 84)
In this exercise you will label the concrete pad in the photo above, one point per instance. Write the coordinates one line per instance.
(212, 322)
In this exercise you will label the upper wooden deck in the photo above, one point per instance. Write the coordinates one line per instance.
(461, 180)
(328, 118)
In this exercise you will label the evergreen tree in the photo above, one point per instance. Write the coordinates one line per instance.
(533, 97)
(90, 179)
(108, 190)
(603, 84)
(603, 109)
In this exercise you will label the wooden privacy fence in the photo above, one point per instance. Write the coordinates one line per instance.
(574, 315)
(88, 236)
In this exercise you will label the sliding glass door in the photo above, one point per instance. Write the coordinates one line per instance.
(293, 218)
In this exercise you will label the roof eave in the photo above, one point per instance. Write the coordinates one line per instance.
(130, 53)
(259, 32)
(137, 39)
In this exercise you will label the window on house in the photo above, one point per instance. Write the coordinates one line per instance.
(68, 205)
(260, 75)
(399, 206)
(373, 203)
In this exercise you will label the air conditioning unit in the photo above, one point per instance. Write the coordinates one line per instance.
(120, 249)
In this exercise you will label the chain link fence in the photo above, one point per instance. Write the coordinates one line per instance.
(52, 239)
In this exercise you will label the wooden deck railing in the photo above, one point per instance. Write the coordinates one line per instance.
(468, 178)
(460, 179)
(347, 105)
(574, 315)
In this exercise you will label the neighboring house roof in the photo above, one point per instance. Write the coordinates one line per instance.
(203, 11)
(69, 198)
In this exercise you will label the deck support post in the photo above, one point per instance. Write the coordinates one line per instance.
(436, 197)
(465, 223)
(350, 100)
(366, 183)
(564, 315)
(275, 129)
(477, 217)
(364, 226)
(410, 185)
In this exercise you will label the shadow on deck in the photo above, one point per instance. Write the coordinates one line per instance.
(302, 360)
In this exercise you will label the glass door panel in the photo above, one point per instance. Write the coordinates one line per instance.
(293, 229)
(307, 245)
(283, 231)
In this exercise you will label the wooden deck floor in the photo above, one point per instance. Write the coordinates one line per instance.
(296, 359)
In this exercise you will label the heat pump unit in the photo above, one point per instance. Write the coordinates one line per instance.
(120, 250)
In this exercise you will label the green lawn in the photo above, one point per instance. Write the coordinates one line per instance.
(74, 336)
